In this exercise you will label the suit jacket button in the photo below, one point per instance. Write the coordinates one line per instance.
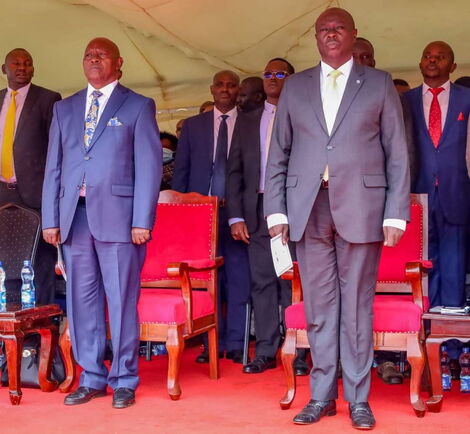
(329, 147)
(87, 157)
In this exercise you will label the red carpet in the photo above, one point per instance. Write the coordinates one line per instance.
(237, 403)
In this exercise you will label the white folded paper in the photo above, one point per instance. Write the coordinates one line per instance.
(281, 255)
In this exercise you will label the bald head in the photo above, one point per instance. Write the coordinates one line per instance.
(251, 95)
(224, 89)
(335, 33)
(18, 68)
(437, 63)
(102, 62)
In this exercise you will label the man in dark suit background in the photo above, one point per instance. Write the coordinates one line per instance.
(24, 135)
(251, 95)
(103, 173)
(245, 189)
(440, 113)
(200, 167)
(337, 182)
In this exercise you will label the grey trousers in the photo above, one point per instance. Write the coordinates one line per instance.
(338, 280)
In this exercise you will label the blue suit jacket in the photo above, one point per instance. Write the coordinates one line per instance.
(447, 161)
(194, 158)
(123, 166)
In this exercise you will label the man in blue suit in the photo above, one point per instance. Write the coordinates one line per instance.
(103, 173)
(440, 113)
(200, 167)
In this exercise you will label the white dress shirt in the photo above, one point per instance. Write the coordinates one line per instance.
(443, 99)
(341, 81)
(19, 100)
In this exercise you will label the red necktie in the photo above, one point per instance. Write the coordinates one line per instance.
(435, 118)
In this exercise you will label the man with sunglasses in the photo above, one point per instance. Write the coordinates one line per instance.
(337, 184)
(245, 188)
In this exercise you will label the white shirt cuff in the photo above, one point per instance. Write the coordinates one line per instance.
(395, 223)
(234, 220)
(276, 219)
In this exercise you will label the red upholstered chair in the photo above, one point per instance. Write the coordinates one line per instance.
(181, 258)
(397, 315)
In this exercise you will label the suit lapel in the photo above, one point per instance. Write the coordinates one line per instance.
(116, 99)
(452, 114)
(3, 92)
(355, 81)
(30, 101)
(255, 132)
(79, 106)
(208, 134)
(315, 97)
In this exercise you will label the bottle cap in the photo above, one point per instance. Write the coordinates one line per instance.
(466, 350)
(26, 262)
(1, 264)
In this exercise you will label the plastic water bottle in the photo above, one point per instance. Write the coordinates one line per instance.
(28, 294)
(445, 369)
(3, 290)
(464, 361)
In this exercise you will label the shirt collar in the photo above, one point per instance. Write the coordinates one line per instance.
(231, 113)
(271, 108)
(23, 91)
(106, 90)
(445, 86)
(345, 68)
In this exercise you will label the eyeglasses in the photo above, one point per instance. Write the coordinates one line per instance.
(278, 74)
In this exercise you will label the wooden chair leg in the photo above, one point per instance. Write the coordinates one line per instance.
(287, 357)
(13, 350)
(213, 341)
(65, 346)
(174, 346)
(433, 346)
(49, 338)
(415, 355)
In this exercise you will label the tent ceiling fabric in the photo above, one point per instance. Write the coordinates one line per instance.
(171, 48)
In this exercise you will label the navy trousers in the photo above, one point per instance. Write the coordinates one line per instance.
(99, 273)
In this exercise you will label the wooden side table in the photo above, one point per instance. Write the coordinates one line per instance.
(15, 324)
(443, 328)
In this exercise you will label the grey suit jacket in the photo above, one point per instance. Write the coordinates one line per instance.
(30, 144)
(366, 154)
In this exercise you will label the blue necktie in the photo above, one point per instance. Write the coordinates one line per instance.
(220, 162)
(92, 118)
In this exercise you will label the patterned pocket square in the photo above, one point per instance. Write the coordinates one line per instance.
(114, 122)
(461, 117)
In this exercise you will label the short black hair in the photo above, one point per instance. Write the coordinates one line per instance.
(171, 137)
(463, 81)
(290, 68)
(400, 82)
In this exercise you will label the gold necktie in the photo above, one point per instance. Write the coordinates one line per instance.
(331, 103)
(8, 136)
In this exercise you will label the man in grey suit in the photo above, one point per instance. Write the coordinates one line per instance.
(23, 141)
(103, 173)
(338, 181)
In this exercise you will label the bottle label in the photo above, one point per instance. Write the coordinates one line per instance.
(446, 382)
(465, 384)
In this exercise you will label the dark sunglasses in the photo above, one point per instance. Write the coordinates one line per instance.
(278, 74)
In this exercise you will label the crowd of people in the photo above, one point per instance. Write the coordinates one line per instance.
(325, 158)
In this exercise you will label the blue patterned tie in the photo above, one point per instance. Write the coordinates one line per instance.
(220, 162)
(92, 118)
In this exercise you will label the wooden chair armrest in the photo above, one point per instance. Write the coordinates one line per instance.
(181, 270)
(218, 262)
(294, 275)
(414, 272)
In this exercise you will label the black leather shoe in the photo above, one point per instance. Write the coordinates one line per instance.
(361, 415)
(123, 397)
(314, 411)
(236, 356)
(83, 394)
(260, 364)
(204, 356)
(301, 367)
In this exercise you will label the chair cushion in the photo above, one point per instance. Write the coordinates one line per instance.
(392, 313)
(397, 313)
(167, 305)
(295, 316)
